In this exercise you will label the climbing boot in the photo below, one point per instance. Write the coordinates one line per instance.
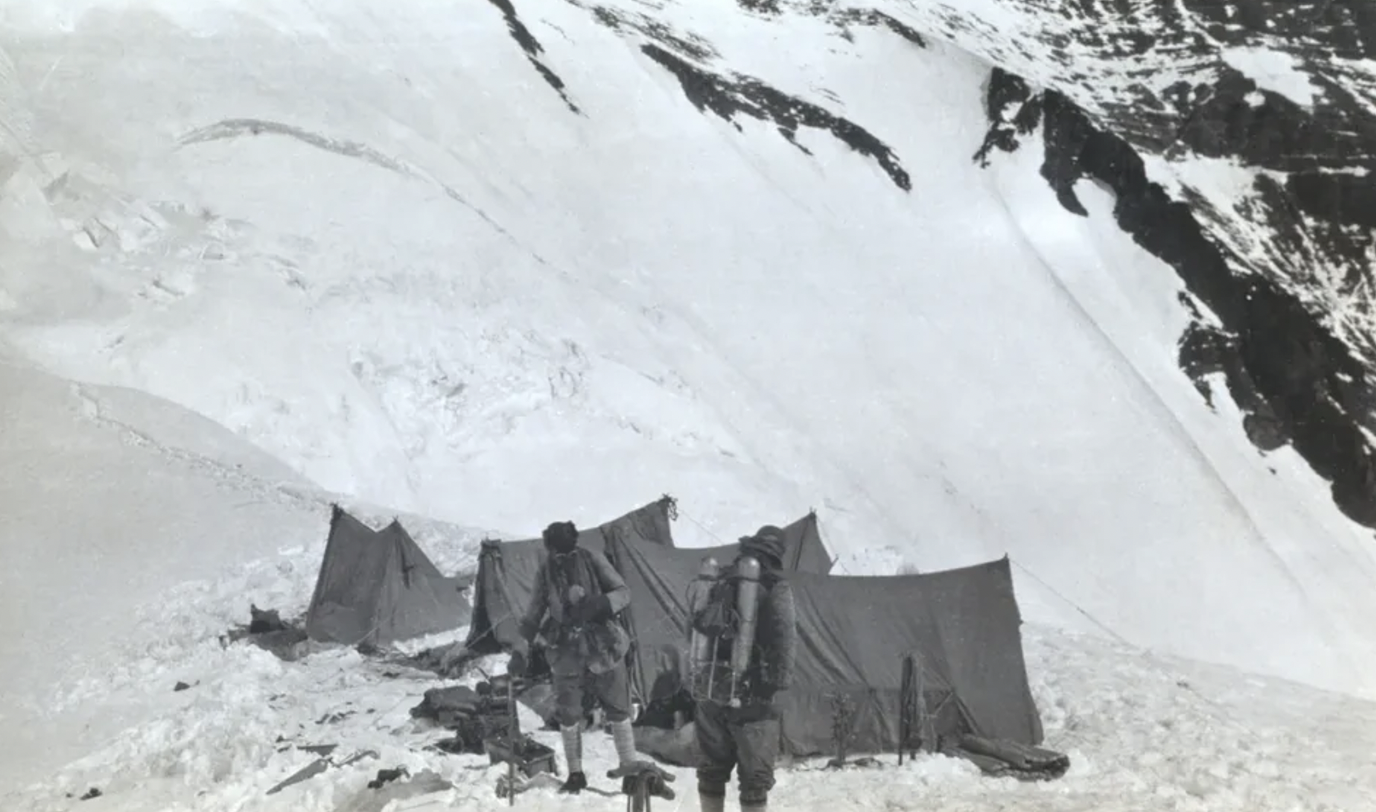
(577, 783)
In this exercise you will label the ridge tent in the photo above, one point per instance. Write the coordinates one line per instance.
(655, 668)
(962, 626)
(649, 523)
(507, 569)
(377, 587)
(805, 551)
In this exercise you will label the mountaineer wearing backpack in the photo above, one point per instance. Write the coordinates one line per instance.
(577, 597)
(746, 737)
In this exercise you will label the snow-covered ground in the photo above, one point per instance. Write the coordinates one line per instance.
(294, 249)
(1143, 732)
(134, 532)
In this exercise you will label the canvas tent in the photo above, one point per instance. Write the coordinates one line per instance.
(506, 571)
(963, 626)
(804, 550)
(377, 587)
(649, 524)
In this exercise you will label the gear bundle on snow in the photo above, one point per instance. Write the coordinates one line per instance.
(473, 715)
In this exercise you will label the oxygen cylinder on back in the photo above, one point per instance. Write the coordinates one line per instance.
(747, 611)
(700, 645)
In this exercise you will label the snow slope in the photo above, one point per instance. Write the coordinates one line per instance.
(111, 498)
(383, 249)
(95, 521)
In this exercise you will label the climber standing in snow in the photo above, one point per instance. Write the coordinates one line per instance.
(744, 735)
(577, 597)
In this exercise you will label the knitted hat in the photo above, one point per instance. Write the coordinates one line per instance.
(561, 537)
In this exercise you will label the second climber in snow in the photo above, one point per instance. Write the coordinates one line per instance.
(737, 720)
(577, 597)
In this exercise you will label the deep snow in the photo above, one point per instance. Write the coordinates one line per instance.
(1144, 733)
(421, 280)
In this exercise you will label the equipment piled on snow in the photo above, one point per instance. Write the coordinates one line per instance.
(268, 631)
(525, 758)
(474, 714)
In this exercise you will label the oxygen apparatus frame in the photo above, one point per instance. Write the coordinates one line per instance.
(704, 649)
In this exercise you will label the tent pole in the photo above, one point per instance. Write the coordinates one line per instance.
(902, 701)
(511, 737)
(905, 700)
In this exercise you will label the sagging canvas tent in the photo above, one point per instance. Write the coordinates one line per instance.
(378, 587)
(649, 524)
(963, 626)
(506, 571)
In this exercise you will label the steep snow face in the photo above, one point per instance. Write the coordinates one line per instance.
(505, 266)
(1259, 120)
